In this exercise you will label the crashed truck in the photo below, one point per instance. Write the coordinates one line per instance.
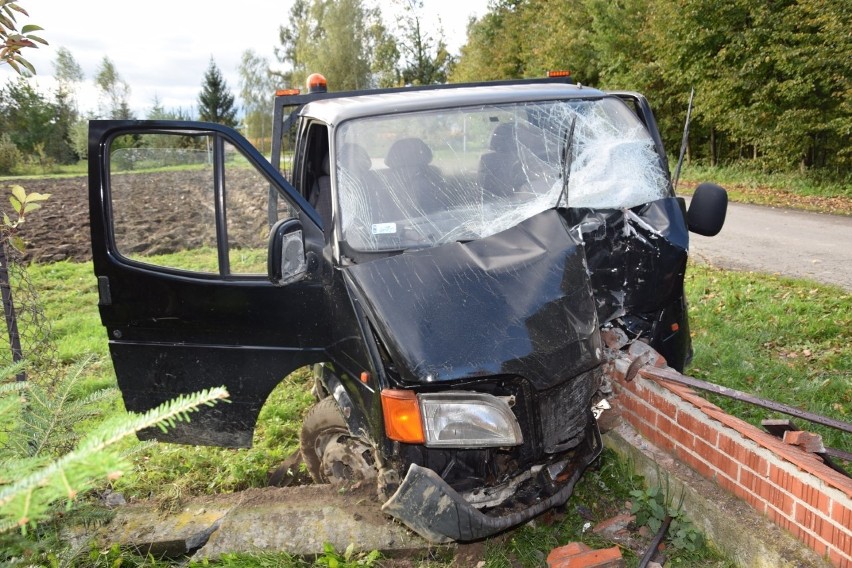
(446, 258)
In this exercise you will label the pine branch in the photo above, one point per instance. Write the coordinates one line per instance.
(27, 498)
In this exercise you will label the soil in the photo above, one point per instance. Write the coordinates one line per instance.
(155, 213)
(60, 229)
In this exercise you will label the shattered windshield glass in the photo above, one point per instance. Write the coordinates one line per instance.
(416, 180)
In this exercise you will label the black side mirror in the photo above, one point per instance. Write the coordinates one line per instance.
(707, 210)
(286, 257)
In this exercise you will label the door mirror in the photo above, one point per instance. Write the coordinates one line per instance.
(286, 260)
(707, 210)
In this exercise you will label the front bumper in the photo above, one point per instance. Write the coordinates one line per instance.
(435, 511)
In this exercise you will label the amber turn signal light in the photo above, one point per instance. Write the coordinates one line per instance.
(402, 416)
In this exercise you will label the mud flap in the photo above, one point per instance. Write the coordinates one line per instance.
(435, 511)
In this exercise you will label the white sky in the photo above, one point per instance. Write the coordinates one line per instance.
(163, 47)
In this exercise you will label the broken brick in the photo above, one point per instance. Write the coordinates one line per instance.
(578, 555)
(808, 441)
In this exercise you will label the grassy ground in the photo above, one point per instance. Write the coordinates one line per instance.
(812, 192)
(787, 340)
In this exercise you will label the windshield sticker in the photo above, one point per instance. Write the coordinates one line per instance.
(384, 228)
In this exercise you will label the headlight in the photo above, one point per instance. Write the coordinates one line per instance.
(468, 419)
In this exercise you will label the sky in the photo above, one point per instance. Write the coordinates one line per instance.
(162, 48)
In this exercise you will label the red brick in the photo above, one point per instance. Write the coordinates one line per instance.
(662, 405)
(646, 413)
(819, 546)
(779, 499)
(841, 539)
(562, 552)
(737, 451)
(808, 441)
(698, 427)
(777, 517)
(722, 462)
(674, 433)
(815, 498)
(841, 515)
(757, 489)
(807, 518)
(699, 465)
(605, 558)
(840, 560)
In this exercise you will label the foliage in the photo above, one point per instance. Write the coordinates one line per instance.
(31, 484)
(426, 59)
(13, 41)
(114, 92)
(22, 203)
(10, 156)
(787, 340)
(349, 558)
(651, 507)
(215, 102)
(768, 89)
(256, 90)
(342, 39)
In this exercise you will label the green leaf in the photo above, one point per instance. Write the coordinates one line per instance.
(35, 196)
(38, 39)
(30, 28)
(31, 207)
(6, 220)
(18, 243)
(19, 193)
(16, 204)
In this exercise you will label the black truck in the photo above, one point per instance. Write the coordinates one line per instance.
(445, 257)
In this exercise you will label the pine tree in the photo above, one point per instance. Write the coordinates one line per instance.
(216, 103)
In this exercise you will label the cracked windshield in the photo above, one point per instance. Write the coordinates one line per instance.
(417, 180)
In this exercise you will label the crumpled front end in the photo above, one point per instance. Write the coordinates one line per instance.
(430, 507)
(526, 340)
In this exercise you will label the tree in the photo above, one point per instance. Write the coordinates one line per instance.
(12, 41)
(257, 90)
(426, 58)
(495, 46)
(68, 74)
(216, 103)
(26, 115)
(113, 92)
(340, 39)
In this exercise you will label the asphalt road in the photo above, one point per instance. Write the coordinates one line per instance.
(781, 241)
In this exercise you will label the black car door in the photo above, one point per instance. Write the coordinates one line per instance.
(180, 236)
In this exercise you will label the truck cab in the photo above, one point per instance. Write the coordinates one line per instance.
(446, 259)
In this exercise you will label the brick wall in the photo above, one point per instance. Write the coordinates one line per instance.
(791, 487)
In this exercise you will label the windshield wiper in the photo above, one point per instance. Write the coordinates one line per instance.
(567, 158)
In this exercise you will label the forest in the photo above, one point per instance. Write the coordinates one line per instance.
(772, 81)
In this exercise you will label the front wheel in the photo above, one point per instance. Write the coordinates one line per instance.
(330, 451)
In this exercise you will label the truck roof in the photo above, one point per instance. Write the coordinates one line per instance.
(336, 110)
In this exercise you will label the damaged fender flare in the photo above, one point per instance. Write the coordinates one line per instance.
(430, 507)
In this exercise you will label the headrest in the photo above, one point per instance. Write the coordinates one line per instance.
(354, 157)
(503, 138)
(408, 153)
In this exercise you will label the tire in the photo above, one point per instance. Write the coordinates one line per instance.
(329, 450)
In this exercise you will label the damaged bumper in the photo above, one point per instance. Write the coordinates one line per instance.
(430, 507)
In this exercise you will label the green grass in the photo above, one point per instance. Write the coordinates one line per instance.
(812, 191)
(782, 339)
(777, 338)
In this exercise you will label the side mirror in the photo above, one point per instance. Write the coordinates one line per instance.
(286, 261)
(707, 210)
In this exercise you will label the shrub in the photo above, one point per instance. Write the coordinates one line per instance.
(10, 156)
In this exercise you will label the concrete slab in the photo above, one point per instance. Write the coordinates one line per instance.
(297, 520)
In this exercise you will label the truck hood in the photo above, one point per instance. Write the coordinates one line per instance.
(518, 302)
